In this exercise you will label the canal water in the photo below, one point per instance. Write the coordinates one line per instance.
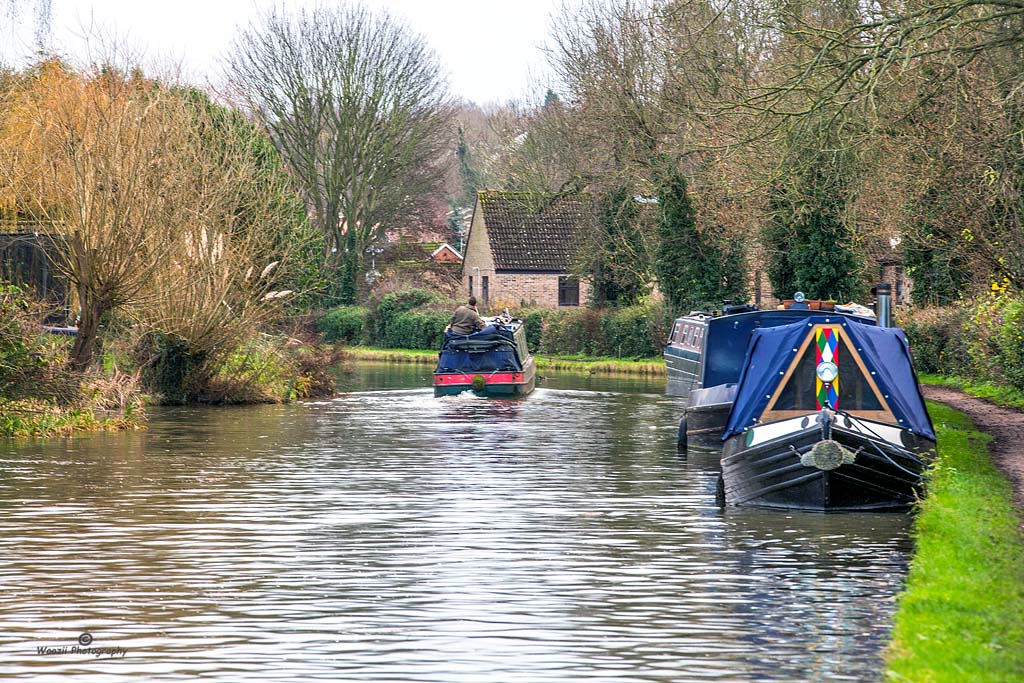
(391, 536)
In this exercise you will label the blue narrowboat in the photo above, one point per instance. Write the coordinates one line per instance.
(493, 362)
(828, 415)
(705, 352)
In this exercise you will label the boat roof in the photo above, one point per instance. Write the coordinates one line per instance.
(783, 315)
(883, 352)
(727, 336)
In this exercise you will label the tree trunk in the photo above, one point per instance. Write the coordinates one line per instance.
(84, 348)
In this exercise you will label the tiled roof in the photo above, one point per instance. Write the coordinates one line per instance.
(535, 232)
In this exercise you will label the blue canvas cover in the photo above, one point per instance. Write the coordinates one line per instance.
(885, 353)
(489, 350)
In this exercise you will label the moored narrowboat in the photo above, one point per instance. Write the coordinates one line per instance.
(704, 358)
(494, 361)
(827, 416)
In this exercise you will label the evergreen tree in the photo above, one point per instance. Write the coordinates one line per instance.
(622, 265)
(808, 243)
(695, 268)
(938, 263)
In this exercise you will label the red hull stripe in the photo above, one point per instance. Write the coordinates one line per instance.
(463, 378)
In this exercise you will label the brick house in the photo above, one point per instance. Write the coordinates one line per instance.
(446, 253)
(521, 247)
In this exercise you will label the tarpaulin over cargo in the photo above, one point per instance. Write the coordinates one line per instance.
(884, 351)
(491, 349)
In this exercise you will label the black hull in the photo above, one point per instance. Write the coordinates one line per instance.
(708, 413)
(682, 371)
(882, 476)
(704, 424)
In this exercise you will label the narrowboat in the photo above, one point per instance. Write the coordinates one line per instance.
(493, 362)
(828, 415)
(704, 357)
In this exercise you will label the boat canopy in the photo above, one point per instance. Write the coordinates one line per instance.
(495, 348)
(873, 371)
(728, 336)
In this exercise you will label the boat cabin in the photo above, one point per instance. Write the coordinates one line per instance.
(704, 350)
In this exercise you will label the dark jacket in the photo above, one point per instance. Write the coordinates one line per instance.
(466, 320)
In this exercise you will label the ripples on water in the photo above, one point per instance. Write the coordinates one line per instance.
(392, 536)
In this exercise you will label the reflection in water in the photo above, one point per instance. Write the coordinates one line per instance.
(389, 535)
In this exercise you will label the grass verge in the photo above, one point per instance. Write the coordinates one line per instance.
(961, 616)
(577, 364)
(647, 367)
(25, 418)
(392, 355)
(1004, 396)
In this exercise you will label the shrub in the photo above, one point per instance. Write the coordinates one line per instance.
(533, 326)
(1010, 339)
(415, 330)
(393, 304)
(345, 324)
(626, 333)
(937, 339)
(169, 366)
(569, 332)
(259, 371)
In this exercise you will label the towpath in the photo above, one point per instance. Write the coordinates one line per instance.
(1006, 425)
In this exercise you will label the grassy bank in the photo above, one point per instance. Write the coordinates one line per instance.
(960, 616)
(576, 364)
(34, 418)
(998, 394)
(648, 367)
(391, 355)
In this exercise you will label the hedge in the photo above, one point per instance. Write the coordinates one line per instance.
(982, 340)
(345, 324)
(415, 319)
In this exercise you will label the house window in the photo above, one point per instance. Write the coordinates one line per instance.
(568, 291)
(485, 288)
(471, 285)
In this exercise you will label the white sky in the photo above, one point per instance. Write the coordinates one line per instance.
(491, 48)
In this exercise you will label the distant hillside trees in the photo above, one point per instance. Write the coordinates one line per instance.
(357, 105)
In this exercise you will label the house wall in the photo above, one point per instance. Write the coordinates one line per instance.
(478, 260)
(530, 289)
(505, 289)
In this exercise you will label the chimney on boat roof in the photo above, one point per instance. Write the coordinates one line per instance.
(883, 304)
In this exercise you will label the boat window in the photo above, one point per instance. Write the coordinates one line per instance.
(675, 332)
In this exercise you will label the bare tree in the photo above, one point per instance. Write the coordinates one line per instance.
(42, 11)
(237, 236)
(95, 157)
(357, 106)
